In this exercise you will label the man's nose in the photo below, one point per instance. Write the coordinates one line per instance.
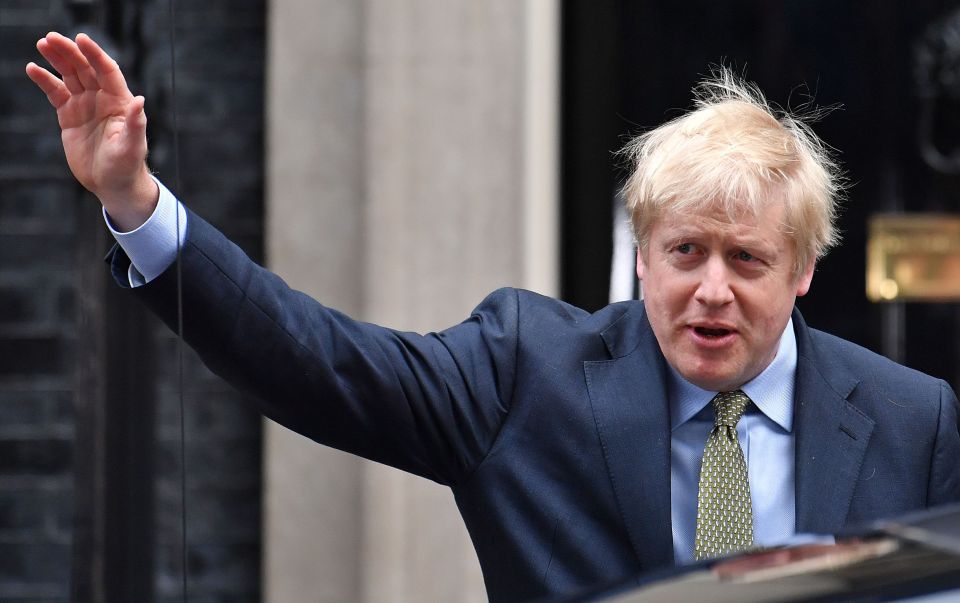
(714, 288)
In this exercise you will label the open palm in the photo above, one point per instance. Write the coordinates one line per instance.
(103, 125)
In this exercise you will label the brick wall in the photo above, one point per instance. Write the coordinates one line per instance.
(220, 49)
(37, 325)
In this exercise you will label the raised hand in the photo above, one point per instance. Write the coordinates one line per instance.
(103, 126)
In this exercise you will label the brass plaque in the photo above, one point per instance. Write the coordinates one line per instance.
(913, 257)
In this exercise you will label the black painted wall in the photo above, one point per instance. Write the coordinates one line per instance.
(38, 326)
(89, 389)
(219, 78)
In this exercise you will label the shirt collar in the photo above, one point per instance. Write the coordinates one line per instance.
(771, 391)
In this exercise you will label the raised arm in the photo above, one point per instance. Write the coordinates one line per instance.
(103, 126)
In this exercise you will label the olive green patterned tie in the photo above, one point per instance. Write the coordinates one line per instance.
(724, 512)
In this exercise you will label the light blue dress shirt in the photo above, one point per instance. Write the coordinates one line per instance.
(152, 247)
(766, 436)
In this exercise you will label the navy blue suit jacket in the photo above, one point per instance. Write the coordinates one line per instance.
(549, 424)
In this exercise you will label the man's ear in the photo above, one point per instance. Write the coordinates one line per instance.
(640, 265)
(803, 282)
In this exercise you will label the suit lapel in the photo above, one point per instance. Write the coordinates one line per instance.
(630, 407)
(831, 438)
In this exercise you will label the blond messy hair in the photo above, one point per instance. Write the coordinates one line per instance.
(736, 153)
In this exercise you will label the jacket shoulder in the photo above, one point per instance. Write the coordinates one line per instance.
(864, 363)
(538, 307)
(549, 323)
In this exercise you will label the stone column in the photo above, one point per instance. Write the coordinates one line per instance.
(314, 239)
(411, 162)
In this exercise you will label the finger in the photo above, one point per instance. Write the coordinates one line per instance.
(107, 71)
(56, 42)
(63, 67)
(68, 50)
(51, 85)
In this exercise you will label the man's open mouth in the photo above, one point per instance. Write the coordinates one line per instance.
(711, 332)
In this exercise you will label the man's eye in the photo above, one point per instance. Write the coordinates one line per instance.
(685, 248)
(744, 256)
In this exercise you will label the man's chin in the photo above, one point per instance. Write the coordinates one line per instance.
(714, 380)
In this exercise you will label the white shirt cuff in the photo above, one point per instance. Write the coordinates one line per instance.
(152, 247)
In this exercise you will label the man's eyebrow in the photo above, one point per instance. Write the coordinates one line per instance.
(680, 237)
(755, 240)
(691, 231)
(685, 231)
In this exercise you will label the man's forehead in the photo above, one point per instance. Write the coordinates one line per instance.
(742, 222)
(721, 215)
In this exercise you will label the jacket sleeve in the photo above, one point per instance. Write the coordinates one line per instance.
(428, 404)
(944, 486)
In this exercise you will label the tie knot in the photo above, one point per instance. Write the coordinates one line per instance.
(728, 407)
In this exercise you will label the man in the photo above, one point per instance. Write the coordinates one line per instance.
(581, 448)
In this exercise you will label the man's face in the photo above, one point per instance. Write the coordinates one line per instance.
(718, 294)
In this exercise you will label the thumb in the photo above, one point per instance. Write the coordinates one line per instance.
(136, 118)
